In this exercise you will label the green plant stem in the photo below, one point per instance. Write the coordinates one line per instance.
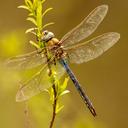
(54, 106)
(54, 89)
(36, 17)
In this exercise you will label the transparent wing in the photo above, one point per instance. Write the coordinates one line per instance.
(89, 50)
(86, 27)
(38, 83)
(26, 61)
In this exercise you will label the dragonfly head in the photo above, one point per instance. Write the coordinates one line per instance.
(46, 36)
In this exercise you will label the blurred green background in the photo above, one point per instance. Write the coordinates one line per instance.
(105, 79)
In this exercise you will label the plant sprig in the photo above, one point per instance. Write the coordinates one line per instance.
(36, 16)
(58, 90)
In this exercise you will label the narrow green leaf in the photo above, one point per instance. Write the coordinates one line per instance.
(46, 11)
(29, 3)
(51, 94)
(58, 109)
(24, 7)
(32, 20)
(35, 4)
(31, 14)
(62, 88)
(48, 24)
(26, 2)
(30, 30)
(64, 92)
(34, 44)
(43, 1)
(64, 85)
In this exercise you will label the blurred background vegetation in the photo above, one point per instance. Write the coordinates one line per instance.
(105, 79)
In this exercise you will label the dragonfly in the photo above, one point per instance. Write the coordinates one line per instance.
(68, 48)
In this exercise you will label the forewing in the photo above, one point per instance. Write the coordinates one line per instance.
(26, 61)
(86, 27)
(89, 50)
(38, 83)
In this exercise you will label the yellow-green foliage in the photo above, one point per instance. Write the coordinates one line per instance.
(36, 16)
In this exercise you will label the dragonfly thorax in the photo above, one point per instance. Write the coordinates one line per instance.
(53, 42)
(55, 47)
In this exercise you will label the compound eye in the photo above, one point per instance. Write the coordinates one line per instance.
(45, 32)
